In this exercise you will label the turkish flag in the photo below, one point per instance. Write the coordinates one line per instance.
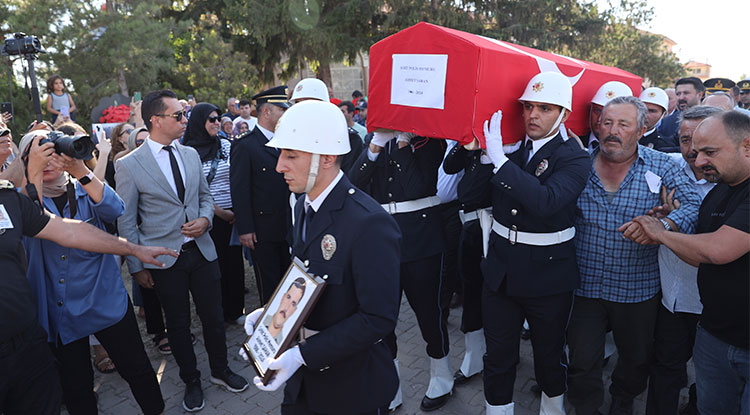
(444, 83)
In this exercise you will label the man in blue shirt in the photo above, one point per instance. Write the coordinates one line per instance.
(620, 278)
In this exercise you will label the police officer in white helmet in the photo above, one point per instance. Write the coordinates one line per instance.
(345, 237)
(310, 88)
(606, 93)
(657, 103)
(530, 270)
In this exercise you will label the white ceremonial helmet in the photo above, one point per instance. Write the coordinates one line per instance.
(609, 91)
(316, 127)
(550, 88)
(655, 96)
(312, 88)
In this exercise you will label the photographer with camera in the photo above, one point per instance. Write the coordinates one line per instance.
(81, 293)
(29, 381)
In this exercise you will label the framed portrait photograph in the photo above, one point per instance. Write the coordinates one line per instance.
(277, 328)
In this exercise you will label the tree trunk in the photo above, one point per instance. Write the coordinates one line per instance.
(365, 77)
(122, 82)
(324, 73)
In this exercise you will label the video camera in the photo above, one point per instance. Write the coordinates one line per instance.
(20, 44)
(79, 147)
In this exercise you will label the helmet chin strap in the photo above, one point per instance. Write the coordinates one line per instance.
(557, 123)
(313, 175)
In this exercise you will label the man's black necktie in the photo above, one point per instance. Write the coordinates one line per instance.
(178, 183)
(527, 149)
(306, 221)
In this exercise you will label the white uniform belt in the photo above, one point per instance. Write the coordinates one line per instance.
(411, 205)
(468, 217)
(528, 238)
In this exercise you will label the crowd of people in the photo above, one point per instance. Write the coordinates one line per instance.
(637, 231)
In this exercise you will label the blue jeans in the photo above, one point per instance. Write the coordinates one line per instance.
(722, 375)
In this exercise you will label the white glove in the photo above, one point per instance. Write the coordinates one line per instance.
(250, 321)
(380, 138)
(494, 140)
(405, 137)
(285, 366)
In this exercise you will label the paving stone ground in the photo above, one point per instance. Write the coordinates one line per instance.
(115, 397)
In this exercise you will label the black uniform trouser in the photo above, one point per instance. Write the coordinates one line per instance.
(633, 329)
(299, 407)
(674, 338)
(421, 282)
(270, 262)
(469, 260)
(548, 318)
(29, 381)
(192, 274)
(232, 268)
(125, 347)
(452, 230)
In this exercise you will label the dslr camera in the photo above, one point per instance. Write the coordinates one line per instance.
(20, 44)
(79, 147)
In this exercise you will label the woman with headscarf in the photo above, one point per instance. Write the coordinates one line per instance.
(80, 293)
(202, 134)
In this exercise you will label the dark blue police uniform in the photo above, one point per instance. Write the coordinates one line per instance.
(407, 174)
(348, 367)
(260, 199)
(530, 281)
(474, 193)
(669, 129)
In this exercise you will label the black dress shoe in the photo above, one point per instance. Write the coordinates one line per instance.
(430, 404)
(459, 378)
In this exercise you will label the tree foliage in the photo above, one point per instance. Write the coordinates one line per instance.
(216, 49)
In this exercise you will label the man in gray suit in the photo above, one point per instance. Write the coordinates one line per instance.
(168, 203)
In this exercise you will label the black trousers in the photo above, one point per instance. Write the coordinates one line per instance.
(192, 274)
(300, 407)
(674, 338)
(452, 230)
(152, 308)
(270, 262)
(633, 329)
(232, 268)
(29, 382)
(469, 260)
(421, 282)
(125, 347)
(548, 318)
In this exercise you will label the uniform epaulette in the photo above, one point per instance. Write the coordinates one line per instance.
(243, 135)
(6, 185)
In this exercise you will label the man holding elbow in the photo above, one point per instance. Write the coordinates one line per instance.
(720, 248)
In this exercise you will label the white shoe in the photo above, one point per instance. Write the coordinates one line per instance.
(441, 378)
(398, 399)
(506, 409)
(552, 406)
(475, 350)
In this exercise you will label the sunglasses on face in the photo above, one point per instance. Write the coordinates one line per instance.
(213, 119)
(177, 115)
(126, 132)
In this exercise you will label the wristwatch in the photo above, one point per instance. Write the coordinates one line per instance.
(86, 179)
(666, 224)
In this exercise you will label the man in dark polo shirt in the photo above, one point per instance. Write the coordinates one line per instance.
(29, 383)
(721, 250)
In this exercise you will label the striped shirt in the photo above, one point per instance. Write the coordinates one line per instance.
(613, 268)
(220, 185)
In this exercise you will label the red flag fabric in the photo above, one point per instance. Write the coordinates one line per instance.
(444, 83)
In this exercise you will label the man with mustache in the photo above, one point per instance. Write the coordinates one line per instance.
(289, 303)
(721, 251)
(680, 308)
(620, 279)
(690, 92)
